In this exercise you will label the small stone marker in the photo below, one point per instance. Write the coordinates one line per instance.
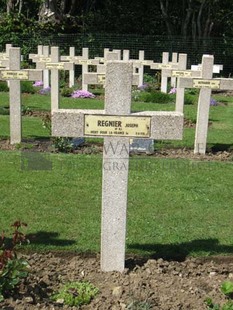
(116, 124)
(14, 74)
(142, 146)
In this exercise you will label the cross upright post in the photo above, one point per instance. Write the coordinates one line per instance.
(203, 107)
(15, 98)
(205, 83)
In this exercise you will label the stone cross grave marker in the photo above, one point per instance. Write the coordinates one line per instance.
(98, 77)
(83, 61)
(4, 56)
(116, 124)
(216, 68)
(14, 75)
(4, 59)
(205, 83)
(138, 64)
(180, 71)
(54, 65)
(162, 66)
(42, 55)
(71, 71)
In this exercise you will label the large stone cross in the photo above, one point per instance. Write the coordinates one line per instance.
(116, 124)
(14, 75)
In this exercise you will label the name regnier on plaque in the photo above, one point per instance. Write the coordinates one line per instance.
(130, 126)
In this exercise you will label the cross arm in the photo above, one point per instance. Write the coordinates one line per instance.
(164, 125)
(220, 83)
(160, 66)
(56, 65)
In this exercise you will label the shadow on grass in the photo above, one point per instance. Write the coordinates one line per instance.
(48, 238)
(179, 251)
(218, 147)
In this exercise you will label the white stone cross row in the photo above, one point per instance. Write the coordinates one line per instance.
(14, 75)
(116, 124)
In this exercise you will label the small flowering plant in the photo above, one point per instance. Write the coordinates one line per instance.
(172, 91)
(143, 87)
(82, 94)
(45, 91)
(213, 102)
(38, 84)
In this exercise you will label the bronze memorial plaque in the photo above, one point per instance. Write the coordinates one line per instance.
(124, 126)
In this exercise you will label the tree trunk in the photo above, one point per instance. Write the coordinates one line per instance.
(48, 11)
(164, 10)
(10, 5)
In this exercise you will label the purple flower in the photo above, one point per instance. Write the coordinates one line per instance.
(38, 84)
(172, 91)
(142, 87)
(45, 91)
(213, 102)
(82, 94)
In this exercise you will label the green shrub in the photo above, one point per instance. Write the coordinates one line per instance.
(3, 86)
(155, 97)
(4, 111)
(66, 91)
(76, 293)
(12, 268)
(62, 144)
(189, 99)
(27, 87)
(192, 91)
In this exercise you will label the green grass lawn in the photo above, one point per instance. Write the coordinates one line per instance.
(176, 207)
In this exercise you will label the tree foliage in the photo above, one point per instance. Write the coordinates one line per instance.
(187, 18)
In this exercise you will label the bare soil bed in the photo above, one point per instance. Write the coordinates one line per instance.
(164, 285)
(46, 145)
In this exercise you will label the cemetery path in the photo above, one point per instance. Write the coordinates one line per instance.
(164, 285)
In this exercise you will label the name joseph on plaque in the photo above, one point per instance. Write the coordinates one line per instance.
(109, 125)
